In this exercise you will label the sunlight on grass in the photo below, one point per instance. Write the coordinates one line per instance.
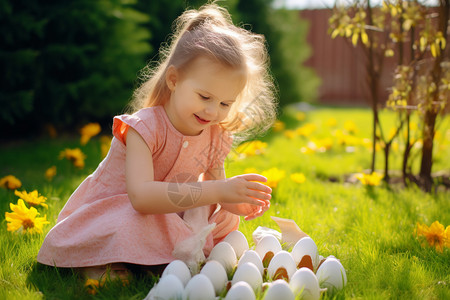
(370, 230)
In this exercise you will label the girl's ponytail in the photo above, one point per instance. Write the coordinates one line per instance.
(208, 16)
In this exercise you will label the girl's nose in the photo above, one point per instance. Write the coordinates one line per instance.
(211, 110)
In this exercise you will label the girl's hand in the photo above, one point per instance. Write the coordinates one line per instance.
(244, 190)
(249, 211)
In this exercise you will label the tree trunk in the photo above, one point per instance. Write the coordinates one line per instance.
(386, 162)
(427, 150)
(407, 149)
(431, 110)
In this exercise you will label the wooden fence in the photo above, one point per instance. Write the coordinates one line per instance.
(341, 66)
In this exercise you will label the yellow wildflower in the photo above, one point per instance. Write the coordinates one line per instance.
(75, 156)
(10, 182)
(298, 177)
(105, 144)
(251, 148)
(88, 131)
(278, 126)
(309, 149)
(290, 134)
(350, 127)
(33, 198)
(23, 219)
(50, 173)
(373, 179)
(306, 130)
(273, 175)
(345, 139)
(435, 235)
(92, 286)
(323, 144)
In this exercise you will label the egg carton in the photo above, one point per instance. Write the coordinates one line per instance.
(233, 271)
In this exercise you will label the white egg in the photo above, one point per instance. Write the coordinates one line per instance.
(224, 254)
(331, 274)
(305, 246)
(216, 274)
(305, 283)
(199, 288)
(168, 287)
(240, 291)
(279, 290)
(252, 257)
(179, 269)
(238, 241)
(282, 259)
(267, 244)
(249, 273)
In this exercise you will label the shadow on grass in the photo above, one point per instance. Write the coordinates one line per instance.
(57, 283)
(65, 283)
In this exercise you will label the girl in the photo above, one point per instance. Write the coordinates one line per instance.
(163, 177)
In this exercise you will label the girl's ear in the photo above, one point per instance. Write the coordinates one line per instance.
(171, 77)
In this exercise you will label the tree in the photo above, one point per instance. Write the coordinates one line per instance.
(68, 62)
(420, 80)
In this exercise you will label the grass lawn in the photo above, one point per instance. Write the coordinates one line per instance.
(371, 230)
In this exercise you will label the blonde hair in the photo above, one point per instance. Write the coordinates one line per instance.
(210, 32)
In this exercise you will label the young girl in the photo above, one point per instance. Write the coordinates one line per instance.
(163, 177)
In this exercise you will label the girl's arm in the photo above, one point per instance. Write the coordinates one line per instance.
(152, 197)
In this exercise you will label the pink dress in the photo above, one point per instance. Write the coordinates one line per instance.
(98, 224)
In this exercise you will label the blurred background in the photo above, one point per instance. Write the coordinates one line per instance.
(66, 63)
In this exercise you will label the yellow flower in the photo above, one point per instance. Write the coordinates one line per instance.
(75, 156)
(105, 144)
(350, 127)
(88, 131)
(373, 179)
(278, 126)
(23, 219)
(273, 175)
(251, 148)
(309, 149)
(345, 139)
(10, 182)
(298, 177)
(323, 144)
(290, 134)
(306, 130)
(435, 235)
(50, 173)
(92, 286)
(33, 198)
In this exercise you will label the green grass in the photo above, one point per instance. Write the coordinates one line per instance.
(370, 230)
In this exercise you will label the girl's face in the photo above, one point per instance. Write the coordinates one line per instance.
(201, 95)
